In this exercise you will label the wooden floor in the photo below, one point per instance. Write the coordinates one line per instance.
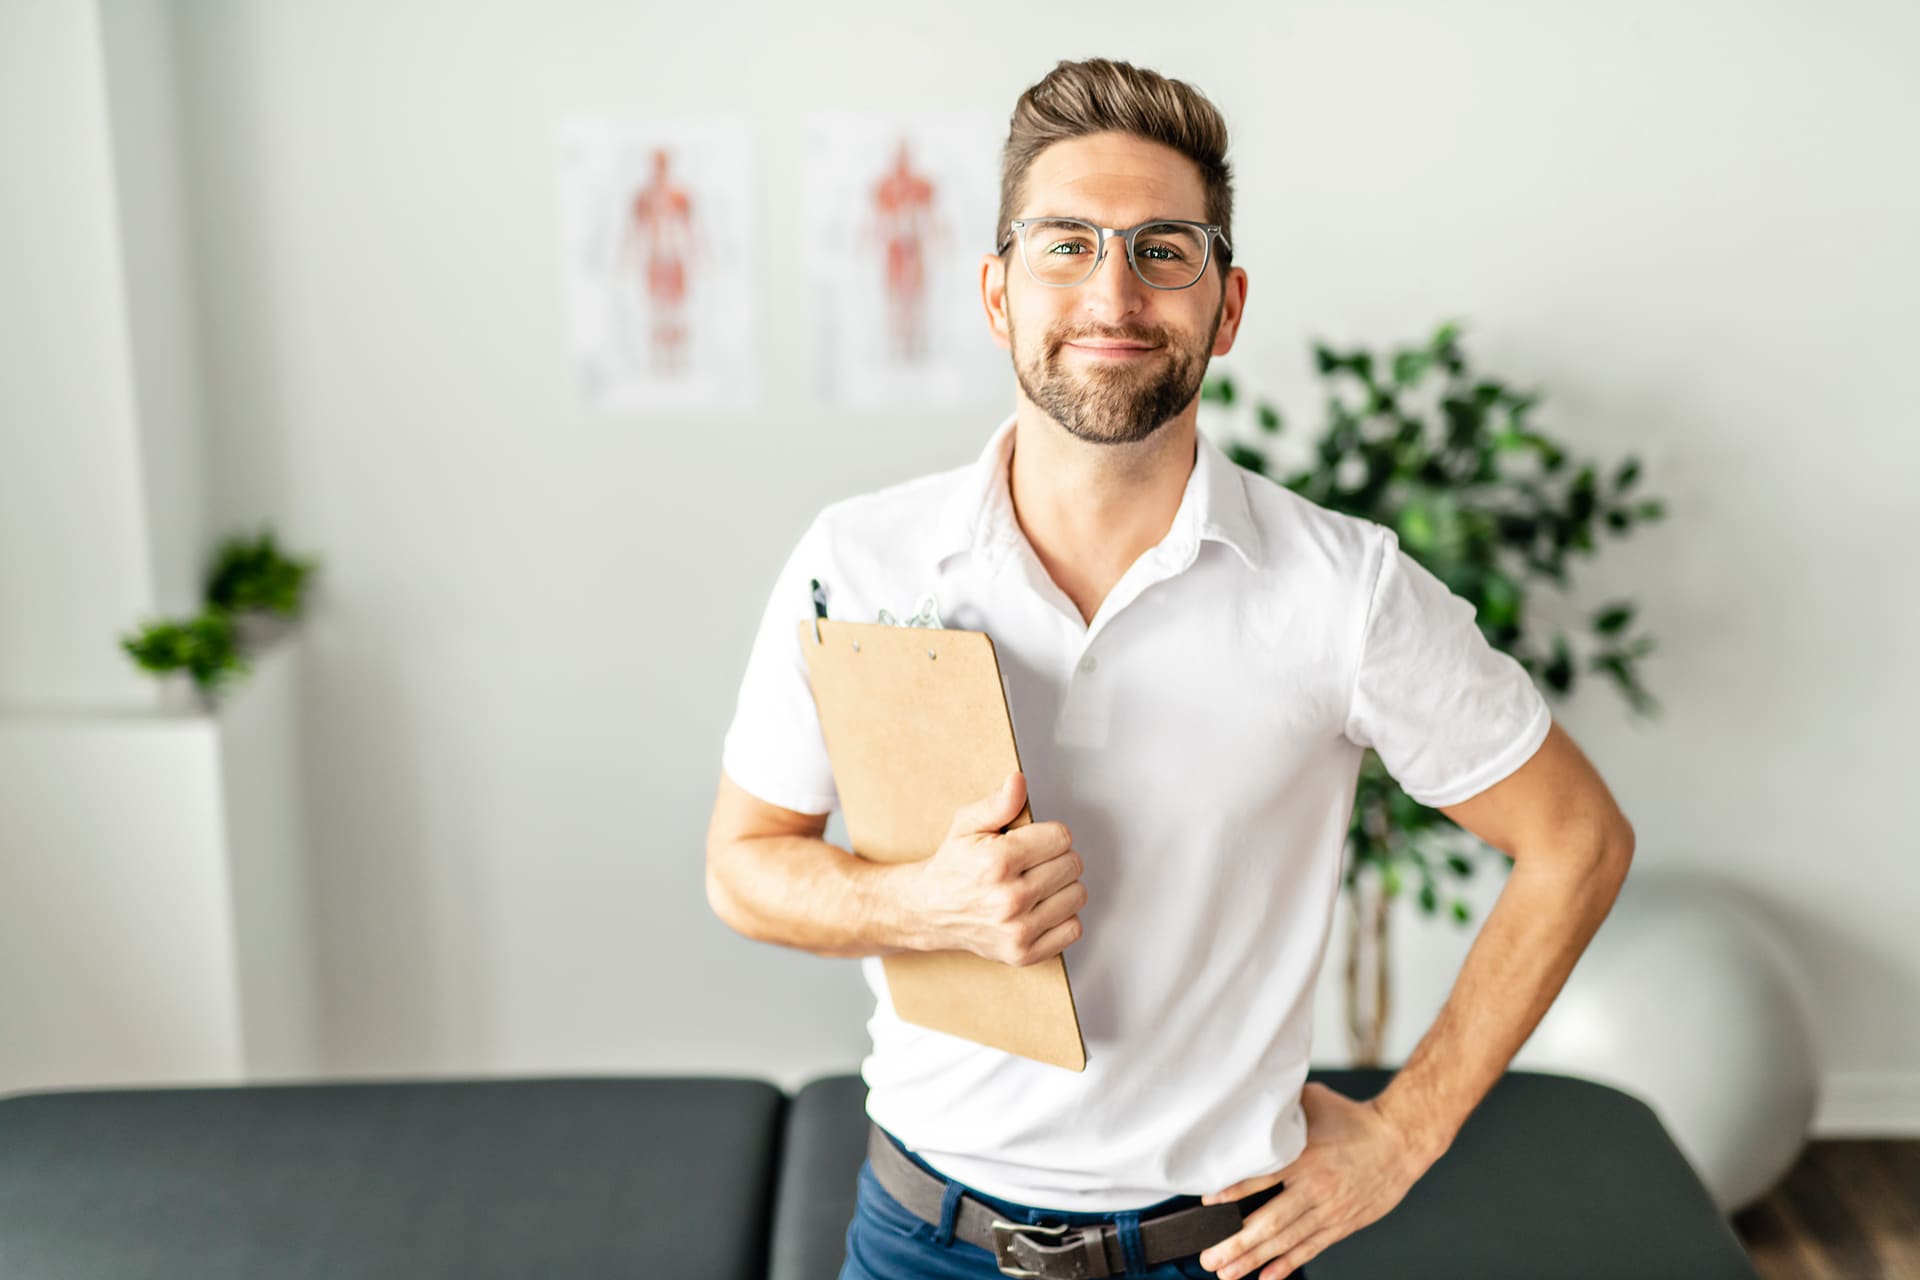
(1848, 1210)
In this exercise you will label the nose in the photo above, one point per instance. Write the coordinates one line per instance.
(1114, 290)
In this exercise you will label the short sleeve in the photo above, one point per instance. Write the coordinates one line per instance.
(1448, 714)
(774, 748)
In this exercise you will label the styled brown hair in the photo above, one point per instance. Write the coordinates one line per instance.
(1097, 95)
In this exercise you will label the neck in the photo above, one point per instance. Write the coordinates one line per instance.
(1097, 506)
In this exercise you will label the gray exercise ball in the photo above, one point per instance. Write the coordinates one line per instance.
(1687, 999)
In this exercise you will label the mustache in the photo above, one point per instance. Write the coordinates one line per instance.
(1151, 338)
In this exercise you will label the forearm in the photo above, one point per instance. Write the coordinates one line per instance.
(797, 891)
(1546, 913)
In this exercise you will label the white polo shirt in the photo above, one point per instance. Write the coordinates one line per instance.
(1202, 740)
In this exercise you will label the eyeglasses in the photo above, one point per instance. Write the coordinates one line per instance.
(1167, 253)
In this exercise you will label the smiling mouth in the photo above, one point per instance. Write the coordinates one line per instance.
(1111, 351)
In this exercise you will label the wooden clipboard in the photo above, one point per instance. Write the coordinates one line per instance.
(916, 725)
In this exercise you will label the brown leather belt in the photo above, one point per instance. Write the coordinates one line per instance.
(1056, 1252)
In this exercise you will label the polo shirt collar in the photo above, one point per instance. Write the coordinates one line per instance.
(978, 515)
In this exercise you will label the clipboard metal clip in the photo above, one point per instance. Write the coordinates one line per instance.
(927, 614)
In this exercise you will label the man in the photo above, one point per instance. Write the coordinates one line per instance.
(1196, 659)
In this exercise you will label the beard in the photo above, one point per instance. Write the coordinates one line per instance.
(1113, 402)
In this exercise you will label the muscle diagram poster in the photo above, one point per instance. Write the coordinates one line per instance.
(899, 210)
(661, 259)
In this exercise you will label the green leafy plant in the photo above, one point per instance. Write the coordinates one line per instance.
(250, 579)
(1492, 506)
(203, 647)
(256, 575)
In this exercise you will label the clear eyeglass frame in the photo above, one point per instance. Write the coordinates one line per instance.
(1017, 230)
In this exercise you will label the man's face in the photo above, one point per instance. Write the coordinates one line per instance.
(1062, 340)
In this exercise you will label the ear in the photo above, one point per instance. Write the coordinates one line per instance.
(1233, 305)
(993, 297)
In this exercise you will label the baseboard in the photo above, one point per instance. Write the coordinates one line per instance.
(1869, 1104)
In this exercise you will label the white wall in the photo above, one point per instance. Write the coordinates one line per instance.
(152, 908)
(75, 548)
(1691, 224)
(136, 51)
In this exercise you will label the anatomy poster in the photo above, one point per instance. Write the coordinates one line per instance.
(899, 210)
(661, 261)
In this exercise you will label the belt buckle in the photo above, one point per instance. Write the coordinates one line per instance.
(1003, 1231)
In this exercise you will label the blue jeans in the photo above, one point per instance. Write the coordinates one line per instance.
(888, 1241)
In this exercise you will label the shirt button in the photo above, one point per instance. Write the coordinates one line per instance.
(1089, 662)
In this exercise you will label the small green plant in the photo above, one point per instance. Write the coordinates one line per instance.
(202, 646)
(256, 575)
(250, 578)
(1485, 501)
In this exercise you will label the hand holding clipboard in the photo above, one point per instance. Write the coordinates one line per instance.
(969, 878)
(916, 725)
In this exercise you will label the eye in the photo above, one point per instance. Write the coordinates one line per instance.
(1170, 243)
(1059, 239)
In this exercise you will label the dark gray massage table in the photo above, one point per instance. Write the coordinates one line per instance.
(718, 1178)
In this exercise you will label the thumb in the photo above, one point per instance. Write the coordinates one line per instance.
(995, 809)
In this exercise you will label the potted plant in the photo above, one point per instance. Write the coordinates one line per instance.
(202, 650)
(1491, 506)
(259, 585)
(254, 592)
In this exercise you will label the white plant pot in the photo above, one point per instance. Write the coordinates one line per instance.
(255, 629)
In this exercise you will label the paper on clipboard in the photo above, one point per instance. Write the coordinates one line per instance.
(916, 725)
